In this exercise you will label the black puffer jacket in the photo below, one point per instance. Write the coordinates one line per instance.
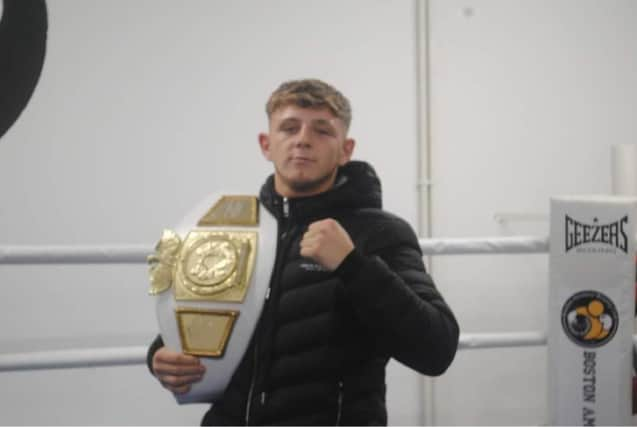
(318, 355)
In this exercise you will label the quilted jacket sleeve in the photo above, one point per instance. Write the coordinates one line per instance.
(396, 299)
(157, 343)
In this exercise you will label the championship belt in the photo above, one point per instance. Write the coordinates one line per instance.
(209, 278)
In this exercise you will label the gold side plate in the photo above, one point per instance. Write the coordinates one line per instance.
(215, 265)
(162, 263)
(205, 332)
(232, 210)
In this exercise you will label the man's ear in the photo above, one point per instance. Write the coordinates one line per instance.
(347, 151)
(264, 143)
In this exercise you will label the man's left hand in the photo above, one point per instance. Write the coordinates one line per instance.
(327, 243)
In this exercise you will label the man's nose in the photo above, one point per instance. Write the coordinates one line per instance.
(304, 137)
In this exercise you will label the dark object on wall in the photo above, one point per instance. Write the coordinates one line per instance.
(23, 31)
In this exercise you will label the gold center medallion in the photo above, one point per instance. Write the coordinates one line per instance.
(211, 261)
(215, 265)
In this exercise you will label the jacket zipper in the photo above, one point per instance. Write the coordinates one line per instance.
(252, 383)
(286, 214)
(339, 408)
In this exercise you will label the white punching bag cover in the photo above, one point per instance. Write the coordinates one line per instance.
(591, 309)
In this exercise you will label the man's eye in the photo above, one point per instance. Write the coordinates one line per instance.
(324, 131)
(288, 129)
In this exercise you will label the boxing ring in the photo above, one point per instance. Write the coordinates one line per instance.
(136, 254)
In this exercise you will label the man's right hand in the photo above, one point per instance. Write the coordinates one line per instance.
(177, 371)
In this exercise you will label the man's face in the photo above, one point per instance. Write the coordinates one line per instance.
(306, 146)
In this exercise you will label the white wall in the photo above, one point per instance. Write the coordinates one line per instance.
(527, 98)
(145, 106)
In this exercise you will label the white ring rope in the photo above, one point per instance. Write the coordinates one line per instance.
(130, 254)
(486, 245)
(73, 358)
(134, 254)
(117, 356)
(501, 340)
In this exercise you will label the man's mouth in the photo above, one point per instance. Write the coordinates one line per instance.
(301, 159)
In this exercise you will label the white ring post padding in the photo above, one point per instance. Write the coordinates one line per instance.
(117, 356)
(73, 358)
(136, 254)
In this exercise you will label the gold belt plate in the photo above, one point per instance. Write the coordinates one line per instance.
(205, 332)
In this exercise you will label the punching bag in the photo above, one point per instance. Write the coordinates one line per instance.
(23, 33)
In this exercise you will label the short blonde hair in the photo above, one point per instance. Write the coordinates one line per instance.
(310, 93)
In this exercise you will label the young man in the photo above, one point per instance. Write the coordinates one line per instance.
(349, 288)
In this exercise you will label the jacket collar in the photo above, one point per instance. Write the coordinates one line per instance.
(356, 186)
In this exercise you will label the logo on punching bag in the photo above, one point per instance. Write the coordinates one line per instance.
(589, 319)
(611, 235)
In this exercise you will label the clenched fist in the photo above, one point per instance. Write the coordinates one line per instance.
(327, 243)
